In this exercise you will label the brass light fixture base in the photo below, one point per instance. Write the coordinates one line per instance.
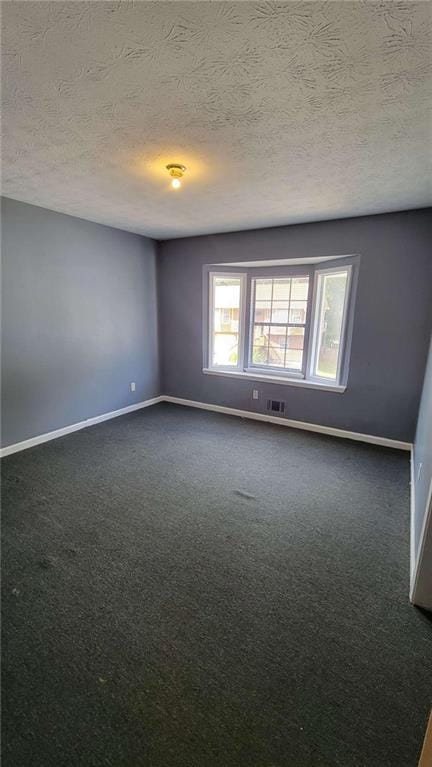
(176, 170)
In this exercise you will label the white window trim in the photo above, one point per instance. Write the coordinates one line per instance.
(316, 311)
(274, 371)
(242, 277)
(279, 379)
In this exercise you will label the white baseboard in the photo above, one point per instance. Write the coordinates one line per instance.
(333, 432)
(33, 441)
(330, 430)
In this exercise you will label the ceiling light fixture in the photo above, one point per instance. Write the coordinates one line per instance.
(176, 172)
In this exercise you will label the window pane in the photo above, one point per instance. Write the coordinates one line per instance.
(331, 292)
(294, 359)
(300, 288)
(225, 349)
(260, 345)
(226, 321)
(263, 290)
(279, 311)
(278, 346)
(297, 311)
(260, 335)
(279, 303)
(276, 357)
(281, 290)
(262, 311)
(277, 342)
(277, 337)
(295, 339)
(294, 350)
(260, 355)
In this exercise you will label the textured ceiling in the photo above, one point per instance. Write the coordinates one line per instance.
(282, 111)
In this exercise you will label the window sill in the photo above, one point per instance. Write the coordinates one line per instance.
(276, 379)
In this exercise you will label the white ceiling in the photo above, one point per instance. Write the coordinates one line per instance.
(282, 111)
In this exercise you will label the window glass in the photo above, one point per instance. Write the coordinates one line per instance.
(295, 348)
(226, 321)
(264, 290)
(279, 314)
(331, 296)
(281, 290)
(280, 334)
(300, 288)
(262, 311)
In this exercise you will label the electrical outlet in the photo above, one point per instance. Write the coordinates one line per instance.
(419, 471)
(255, 394)
(132, 386)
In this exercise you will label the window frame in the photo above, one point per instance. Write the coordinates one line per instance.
(312, 352)
(245, 369)
(242, 277)
(273, 369)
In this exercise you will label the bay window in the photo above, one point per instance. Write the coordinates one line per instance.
(291, 326)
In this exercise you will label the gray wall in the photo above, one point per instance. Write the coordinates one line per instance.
(79, 320)
(391, 331)
(423, 480)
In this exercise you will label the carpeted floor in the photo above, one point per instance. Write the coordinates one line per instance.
(186, 589)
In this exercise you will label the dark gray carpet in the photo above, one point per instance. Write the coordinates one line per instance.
(186, 589)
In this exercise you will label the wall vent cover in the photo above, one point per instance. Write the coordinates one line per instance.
(276, 405)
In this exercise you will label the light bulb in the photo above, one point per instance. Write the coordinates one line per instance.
(176, 171)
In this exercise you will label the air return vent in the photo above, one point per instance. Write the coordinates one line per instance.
(276, 405)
